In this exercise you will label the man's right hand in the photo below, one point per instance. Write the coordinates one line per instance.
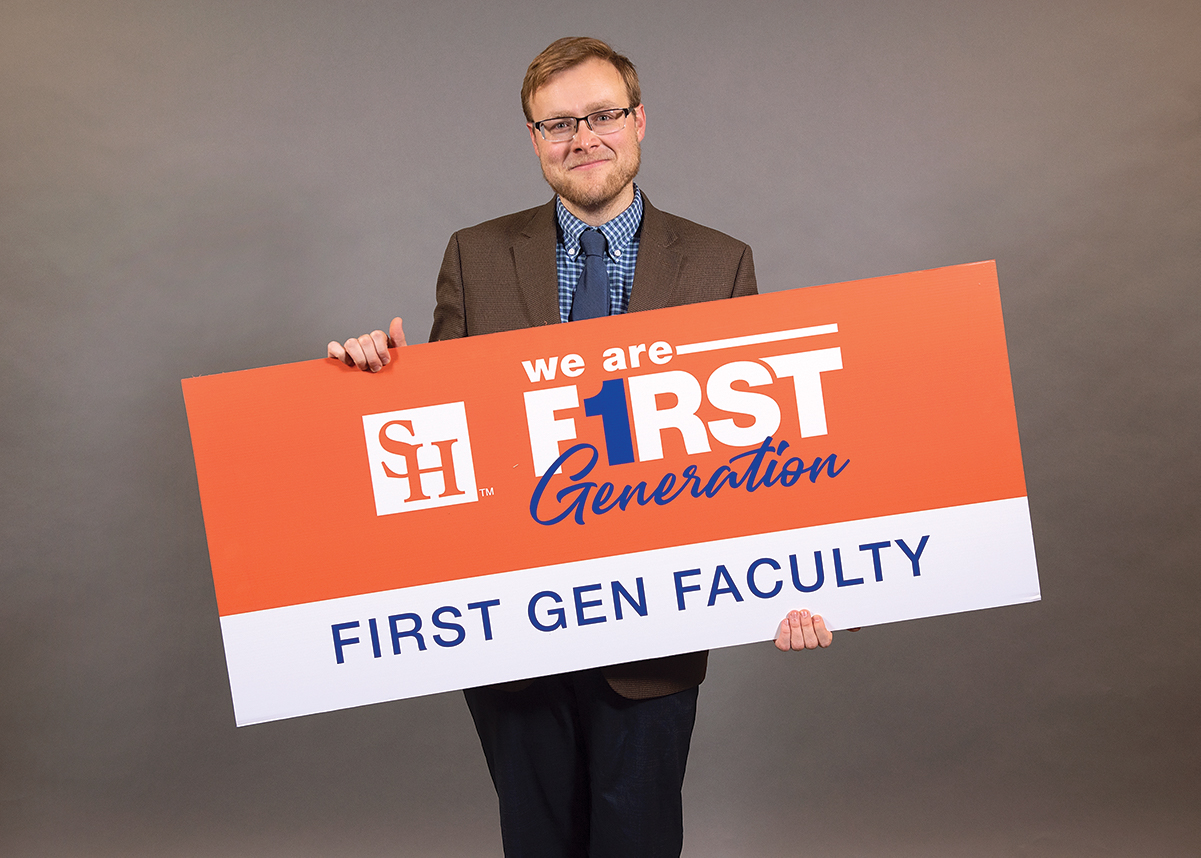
(370, 351)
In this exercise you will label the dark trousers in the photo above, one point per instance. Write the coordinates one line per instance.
(582, 772)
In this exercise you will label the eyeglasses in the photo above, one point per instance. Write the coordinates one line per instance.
(563, 128)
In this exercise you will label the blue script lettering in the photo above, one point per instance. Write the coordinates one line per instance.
(751, 470)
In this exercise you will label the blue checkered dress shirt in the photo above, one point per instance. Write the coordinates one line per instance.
(621, 254)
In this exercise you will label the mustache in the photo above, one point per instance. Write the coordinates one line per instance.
(590, 159)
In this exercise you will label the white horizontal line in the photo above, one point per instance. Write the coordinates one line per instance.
(754, 339)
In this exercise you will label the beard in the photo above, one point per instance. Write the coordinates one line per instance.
(589, 195)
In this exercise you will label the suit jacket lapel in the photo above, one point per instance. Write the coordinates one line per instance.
(537, 272)
(658, 270)
(656, 276)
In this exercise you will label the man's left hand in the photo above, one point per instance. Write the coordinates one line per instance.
(802, 630)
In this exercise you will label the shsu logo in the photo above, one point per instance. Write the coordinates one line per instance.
(420, 458)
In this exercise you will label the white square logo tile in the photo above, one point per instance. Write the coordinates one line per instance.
(420, 458)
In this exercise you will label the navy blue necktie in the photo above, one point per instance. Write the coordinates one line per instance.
(592, 292)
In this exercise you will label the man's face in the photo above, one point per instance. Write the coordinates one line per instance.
(594, 175)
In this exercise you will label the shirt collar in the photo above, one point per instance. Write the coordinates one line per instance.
(618, 232)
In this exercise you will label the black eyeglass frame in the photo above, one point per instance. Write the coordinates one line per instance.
(624, 111)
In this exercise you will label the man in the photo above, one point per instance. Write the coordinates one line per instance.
(588, 763)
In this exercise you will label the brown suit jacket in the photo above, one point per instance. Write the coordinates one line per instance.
(501, 276)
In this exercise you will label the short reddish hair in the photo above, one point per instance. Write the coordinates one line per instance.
(569, 52)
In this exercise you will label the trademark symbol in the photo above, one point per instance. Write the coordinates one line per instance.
(487, 493)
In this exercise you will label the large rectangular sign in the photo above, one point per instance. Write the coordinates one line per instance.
(525, 503)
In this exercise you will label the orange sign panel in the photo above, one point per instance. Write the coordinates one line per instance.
(631, 449)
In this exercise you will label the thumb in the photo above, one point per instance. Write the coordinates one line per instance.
(396, 333)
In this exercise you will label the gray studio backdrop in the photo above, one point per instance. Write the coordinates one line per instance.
(197, 187)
